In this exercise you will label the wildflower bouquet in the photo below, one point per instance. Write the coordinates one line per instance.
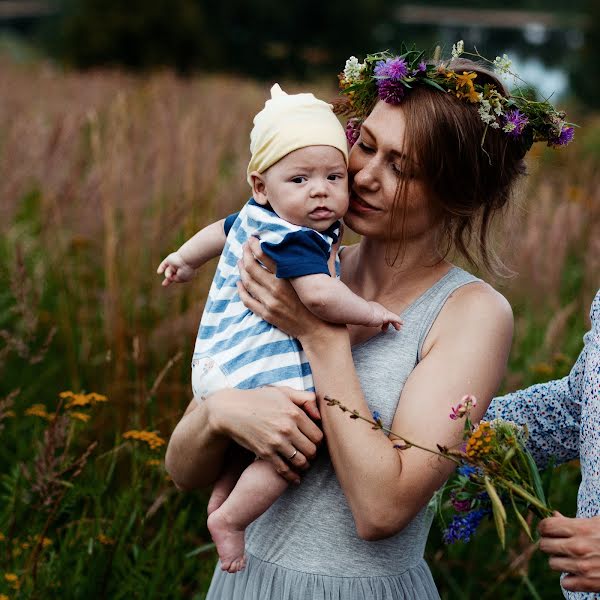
(496, 473)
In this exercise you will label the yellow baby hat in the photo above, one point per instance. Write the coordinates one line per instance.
(289, 122)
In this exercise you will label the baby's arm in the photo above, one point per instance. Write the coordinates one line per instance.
(180, 266)
(331, 300)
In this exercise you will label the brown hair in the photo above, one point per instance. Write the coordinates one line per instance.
(469, 172)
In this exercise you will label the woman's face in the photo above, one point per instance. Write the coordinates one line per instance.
(376, 167)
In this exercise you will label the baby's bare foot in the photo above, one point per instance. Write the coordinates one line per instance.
(229, 542)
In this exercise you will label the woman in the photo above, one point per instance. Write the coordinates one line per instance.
(424, 177)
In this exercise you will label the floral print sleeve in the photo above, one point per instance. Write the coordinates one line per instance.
(564, 422)
(552, 412)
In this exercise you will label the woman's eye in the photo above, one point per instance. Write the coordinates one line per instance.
(397, 169)
(365, 148)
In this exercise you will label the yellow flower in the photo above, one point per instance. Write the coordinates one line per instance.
(542, 368)
(10, 413)
(471, 95)
(480, 440)
(154, 462)
(2, 537)
(38, 410)
(12, 580)
(152, 439)
(46, 542)
(465, 80)
(79, 416)
(4, 597)
(82, 399)
(105, 540)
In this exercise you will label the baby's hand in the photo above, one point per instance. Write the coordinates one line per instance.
(382, 317)
(176, 270)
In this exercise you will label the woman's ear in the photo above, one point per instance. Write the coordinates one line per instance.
(259, 188)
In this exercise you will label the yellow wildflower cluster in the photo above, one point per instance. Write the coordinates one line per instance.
(464, 85)
(79, 416)
(152, 439)
(4, 597)
(105, 540)
(12, 580)
(154, 462)
(480, 440)
(82, 399)
(38, 410)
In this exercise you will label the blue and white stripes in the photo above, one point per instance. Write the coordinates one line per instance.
(250, 352)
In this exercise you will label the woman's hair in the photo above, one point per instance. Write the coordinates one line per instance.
(468, 171)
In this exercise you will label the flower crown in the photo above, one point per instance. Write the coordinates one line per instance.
(389, 77)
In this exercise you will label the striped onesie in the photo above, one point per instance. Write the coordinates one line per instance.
(235, 347)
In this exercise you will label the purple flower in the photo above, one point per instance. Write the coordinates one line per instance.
(352, 131)
(566, 136)
(462, 527)
(422, 66)
(514, 122)
(391, 68)
(460, 505)
(390, 91)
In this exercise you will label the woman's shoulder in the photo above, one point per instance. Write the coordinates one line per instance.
(477, 300)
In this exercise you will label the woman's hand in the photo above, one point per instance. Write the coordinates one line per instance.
(574, 548)
(272, 422)
(272, 299)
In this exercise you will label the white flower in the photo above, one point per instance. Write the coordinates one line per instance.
(458, 49)
(503, 64)
(495, 125)
(508, 127)
(485, 114)
(353, 69)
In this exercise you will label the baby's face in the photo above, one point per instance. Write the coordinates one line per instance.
(308, 187)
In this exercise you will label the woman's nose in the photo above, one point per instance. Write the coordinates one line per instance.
(366, 175)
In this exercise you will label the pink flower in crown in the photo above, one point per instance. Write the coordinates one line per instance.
(353, 131)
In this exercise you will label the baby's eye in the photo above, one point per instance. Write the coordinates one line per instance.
(335, 176)
(299, 179)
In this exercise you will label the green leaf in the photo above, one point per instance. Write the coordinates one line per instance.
(433, 84)
(497, 509)
(535, 476)
(520, 518)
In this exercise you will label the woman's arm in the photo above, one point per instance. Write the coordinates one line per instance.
(465, 352)
(270, 422)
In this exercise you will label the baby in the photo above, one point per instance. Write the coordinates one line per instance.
(298, 176)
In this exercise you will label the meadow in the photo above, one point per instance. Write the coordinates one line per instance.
(101, 175)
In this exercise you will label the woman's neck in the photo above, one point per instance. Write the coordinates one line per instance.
(368, 274)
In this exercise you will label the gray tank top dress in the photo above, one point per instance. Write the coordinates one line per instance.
(305, 547)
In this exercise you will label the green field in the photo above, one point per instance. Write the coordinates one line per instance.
(102, 174)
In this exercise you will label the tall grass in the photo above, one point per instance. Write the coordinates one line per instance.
(101, 174)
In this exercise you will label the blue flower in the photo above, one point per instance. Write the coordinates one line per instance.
(466, 470)
(462, 527)
(376, 416)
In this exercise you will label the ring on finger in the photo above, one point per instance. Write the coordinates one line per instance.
(293, 454)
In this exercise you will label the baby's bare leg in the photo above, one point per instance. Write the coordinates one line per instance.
(237, 460)
(257, 488)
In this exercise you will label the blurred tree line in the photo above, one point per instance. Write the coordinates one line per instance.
(263, 38)
(272, 38)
